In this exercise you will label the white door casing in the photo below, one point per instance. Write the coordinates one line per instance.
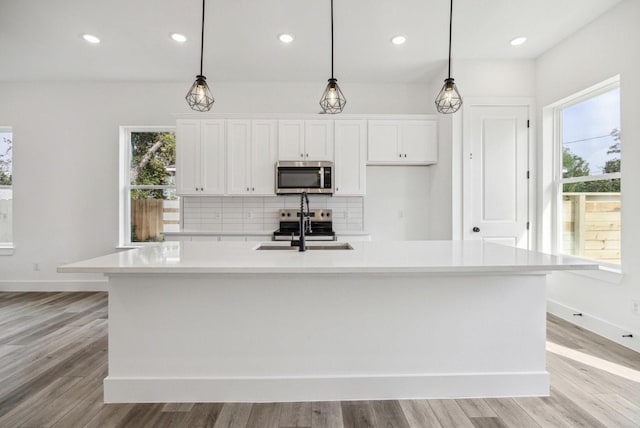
(496, 174)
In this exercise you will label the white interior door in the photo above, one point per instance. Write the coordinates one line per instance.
(496, 193)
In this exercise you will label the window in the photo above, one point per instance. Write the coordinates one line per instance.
(149, 204)
(6, 188)
(588, 180)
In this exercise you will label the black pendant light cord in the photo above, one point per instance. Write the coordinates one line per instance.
(450, 26)
(202, 39)
(332, 39)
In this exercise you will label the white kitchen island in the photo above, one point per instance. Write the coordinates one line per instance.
(224, 322)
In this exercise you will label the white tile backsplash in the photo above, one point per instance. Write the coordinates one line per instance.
(258, 214)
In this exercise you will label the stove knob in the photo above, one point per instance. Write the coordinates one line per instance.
(288, 214)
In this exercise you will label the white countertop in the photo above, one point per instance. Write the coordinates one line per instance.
(187, 232)
(369, 257)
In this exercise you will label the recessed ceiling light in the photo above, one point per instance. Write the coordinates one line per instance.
(91, 38)
(398, 40)
(180, 38)
(518, 41)
(285, 38)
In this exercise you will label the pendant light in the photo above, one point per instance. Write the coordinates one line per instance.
(199, 96)
(332, 101)
(449, 99)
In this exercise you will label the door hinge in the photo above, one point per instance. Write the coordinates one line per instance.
(528, 123)
(527, 225)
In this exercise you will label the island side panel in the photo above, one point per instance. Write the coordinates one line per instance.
(294, 337)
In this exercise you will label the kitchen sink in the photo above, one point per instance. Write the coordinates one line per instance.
(339, 246)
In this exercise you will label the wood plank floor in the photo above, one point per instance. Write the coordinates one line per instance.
(53, 357)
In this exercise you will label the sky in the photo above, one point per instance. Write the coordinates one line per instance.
(3, 145)
(586, 127)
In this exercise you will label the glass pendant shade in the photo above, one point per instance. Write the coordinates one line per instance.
(448, 99)
(332, 101)
(199, 96)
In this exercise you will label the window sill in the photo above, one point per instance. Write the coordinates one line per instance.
(6, 250)
(604, 273)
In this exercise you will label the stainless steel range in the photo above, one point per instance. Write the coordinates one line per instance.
(321, 226)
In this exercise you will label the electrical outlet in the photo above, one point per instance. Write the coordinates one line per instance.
(635, 307)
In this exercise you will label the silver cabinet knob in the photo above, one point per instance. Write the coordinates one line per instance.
(476, 229)
(399, 155)
(301, 155)
(405, 155)
(253, 189)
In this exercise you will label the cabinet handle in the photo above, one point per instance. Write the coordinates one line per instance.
(247, 189)
(253, 189)
(337, 189)
(405, 155)
(307, 154)
(301, 155)
(399, 155)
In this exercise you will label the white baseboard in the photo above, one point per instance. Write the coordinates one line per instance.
(595, 324)
(286, 389)
(53, 285)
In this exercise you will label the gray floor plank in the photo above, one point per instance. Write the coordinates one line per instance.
(53, 358)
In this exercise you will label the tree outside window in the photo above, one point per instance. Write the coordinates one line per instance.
(154, 206)
(6, 187)
(591, 181)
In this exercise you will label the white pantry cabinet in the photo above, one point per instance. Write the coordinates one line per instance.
(200, 160)
(251, 156)
(403, 142)
(305, 140)
(350, 173)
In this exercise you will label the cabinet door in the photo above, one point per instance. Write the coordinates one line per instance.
(238, 157)
(384, 140)
(420, 141)
(291, 140)
(318, 140)
(212, 157)
(188, 157)
(263, 156)
(350, 153)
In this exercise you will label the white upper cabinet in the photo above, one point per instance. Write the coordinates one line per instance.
(264, 154)
(200, 157)
(420, 141)
(251, 157)
(403, 141)
(318, 140)
(238, 157)
(305, 140)
(350, 157)
(291, 140)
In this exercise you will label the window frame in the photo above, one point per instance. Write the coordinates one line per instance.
(558, 180)
(7, 247)
(125, 186)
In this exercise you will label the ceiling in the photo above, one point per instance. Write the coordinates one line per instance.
(41, 39)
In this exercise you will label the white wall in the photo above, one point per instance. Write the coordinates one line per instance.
(397, 203)
(604, 48)
(66, 156)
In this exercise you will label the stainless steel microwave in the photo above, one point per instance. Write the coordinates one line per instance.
(313, 177)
